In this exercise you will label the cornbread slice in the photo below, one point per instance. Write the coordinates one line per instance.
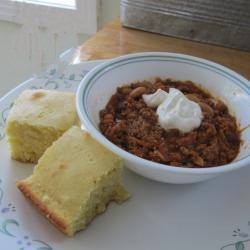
(38, 118)
(74, 181)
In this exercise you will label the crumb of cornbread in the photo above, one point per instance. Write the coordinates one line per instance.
(38, 118)
(74, 181)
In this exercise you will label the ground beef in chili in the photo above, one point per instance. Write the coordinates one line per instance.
(130, 124)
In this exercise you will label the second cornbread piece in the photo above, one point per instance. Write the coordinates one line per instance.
(38, 118)
(74, 181)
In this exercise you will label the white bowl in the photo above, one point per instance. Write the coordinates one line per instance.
(100, 83)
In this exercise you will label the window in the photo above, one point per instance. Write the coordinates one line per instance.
(80, 16)
(43, 31)
(66, 4)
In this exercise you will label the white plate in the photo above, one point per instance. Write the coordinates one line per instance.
(206, 216)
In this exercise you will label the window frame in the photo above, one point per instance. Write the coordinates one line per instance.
(48, 3)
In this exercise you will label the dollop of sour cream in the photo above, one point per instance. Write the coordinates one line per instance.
(175, 110)
(155, 99)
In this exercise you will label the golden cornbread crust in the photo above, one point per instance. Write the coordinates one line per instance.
(74, 181)
(22, 160)
(52, 217)
(36, 120)
(120, 196)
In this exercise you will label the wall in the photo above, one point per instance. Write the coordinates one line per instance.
(110, 9)
(20, 57)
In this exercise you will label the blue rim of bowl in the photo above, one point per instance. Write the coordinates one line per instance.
(89, 80)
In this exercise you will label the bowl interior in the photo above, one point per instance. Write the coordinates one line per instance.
(100, 84)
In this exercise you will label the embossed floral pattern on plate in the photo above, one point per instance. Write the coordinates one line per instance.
(50, 79)
(145, 203)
